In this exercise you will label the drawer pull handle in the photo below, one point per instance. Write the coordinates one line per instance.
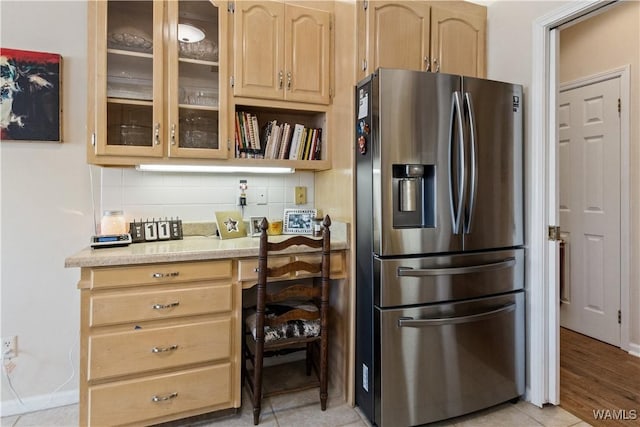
(164, 349)
(163, 398)
(163, 306)
(161, 275)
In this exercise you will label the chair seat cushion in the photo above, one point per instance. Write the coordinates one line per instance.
(297, 328)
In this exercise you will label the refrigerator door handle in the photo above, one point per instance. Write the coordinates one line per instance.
(473, 190)
(439, 321)
(456, 119)
(421, 272)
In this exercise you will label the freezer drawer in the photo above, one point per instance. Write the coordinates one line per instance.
(432, 279)
(445, 360)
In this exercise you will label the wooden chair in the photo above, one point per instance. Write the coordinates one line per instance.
(270, 330)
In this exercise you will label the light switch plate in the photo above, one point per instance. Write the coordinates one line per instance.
(301, 195)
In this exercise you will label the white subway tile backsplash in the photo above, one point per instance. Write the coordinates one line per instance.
(196, 197)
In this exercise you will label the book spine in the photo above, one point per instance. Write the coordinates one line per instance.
(286, 140)
(295, 141)
(256, 132)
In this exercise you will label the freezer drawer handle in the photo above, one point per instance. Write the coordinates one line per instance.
(420, 272)
(410, 322)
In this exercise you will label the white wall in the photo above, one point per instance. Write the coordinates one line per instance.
(47, 211)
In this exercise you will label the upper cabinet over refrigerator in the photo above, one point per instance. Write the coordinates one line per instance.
(154, 80)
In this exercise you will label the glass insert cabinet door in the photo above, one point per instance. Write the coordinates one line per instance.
(194, 96)
(158, 79)
(129, 82)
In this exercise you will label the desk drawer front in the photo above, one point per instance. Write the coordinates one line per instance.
(141, 350)
(160, 273)
(113, 308)
(133, 401)
(247, 268)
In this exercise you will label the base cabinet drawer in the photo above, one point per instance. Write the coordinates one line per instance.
(134, 401)
(143, 350)
(136, 306)
(158, 274)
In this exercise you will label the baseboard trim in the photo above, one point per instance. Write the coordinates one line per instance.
(634, 349)
(39, 403)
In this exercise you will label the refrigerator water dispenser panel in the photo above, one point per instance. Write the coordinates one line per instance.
(413, 196)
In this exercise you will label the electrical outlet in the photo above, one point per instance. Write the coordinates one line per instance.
(9, 347)
(300, 195)
(261, 196)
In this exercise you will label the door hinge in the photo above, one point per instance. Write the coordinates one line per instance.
(228, 144)
(231, 7)
(364, 65)
(554, 232)
(330, 93)
(93, 139)
(619, 317)
(231, 81)
(619, 106)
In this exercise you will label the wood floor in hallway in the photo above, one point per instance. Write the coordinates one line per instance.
(599, 383)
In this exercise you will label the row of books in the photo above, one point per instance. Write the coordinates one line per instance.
(276, 140)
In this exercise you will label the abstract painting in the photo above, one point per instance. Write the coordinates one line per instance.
(30, 107)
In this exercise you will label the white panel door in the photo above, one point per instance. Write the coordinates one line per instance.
(589, 156)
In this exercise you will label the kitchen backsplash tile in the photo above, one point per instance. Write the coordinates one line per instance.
(195, 197)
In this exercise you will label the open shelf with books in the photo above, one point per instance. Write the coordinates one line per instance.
(282, 137)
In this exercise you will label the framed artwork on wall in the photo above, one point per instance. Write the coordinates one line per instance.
(30, 102)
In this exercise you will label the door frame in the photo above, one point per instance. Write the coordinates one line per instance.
(543, 314)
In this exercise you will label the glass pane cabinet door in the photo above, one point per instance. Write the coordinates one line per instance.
(194, 92)
(132, 79)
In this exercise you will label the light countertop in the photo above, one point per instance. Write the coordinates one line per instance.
(190, 248)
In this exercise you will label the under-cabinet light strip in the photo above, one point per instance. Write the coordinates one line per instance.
(214, 169)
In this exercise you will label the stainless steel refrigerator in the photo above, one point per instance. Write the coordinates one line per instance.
(439, 246)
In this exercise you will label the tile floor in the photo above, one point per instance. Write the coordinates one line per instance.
(303, 409)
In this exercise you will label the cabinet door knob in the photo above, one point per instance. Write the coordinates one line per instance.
(427, 63)
(280, 79)
(289, 80)
(173, 134)
(436, 65)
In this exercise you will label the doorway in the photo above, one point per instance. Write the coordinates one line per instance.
(589, 146)
(543, 177)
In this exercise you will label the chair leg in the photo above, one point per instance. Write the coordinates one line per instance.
(257, 382)
(309, 358)
(256, 415)
(324, 377)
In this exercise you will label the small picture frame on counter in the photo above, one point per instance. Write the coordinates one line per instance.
(254, 225)
(299, 221)
(230, 225)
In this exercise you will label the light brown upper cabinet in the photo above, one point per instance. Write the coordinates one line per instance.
(281, 51)
(446, 37)
(458, 38)
(155, 89)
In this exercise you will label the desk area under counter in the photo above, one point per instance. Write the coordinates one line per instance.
(160, 333)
